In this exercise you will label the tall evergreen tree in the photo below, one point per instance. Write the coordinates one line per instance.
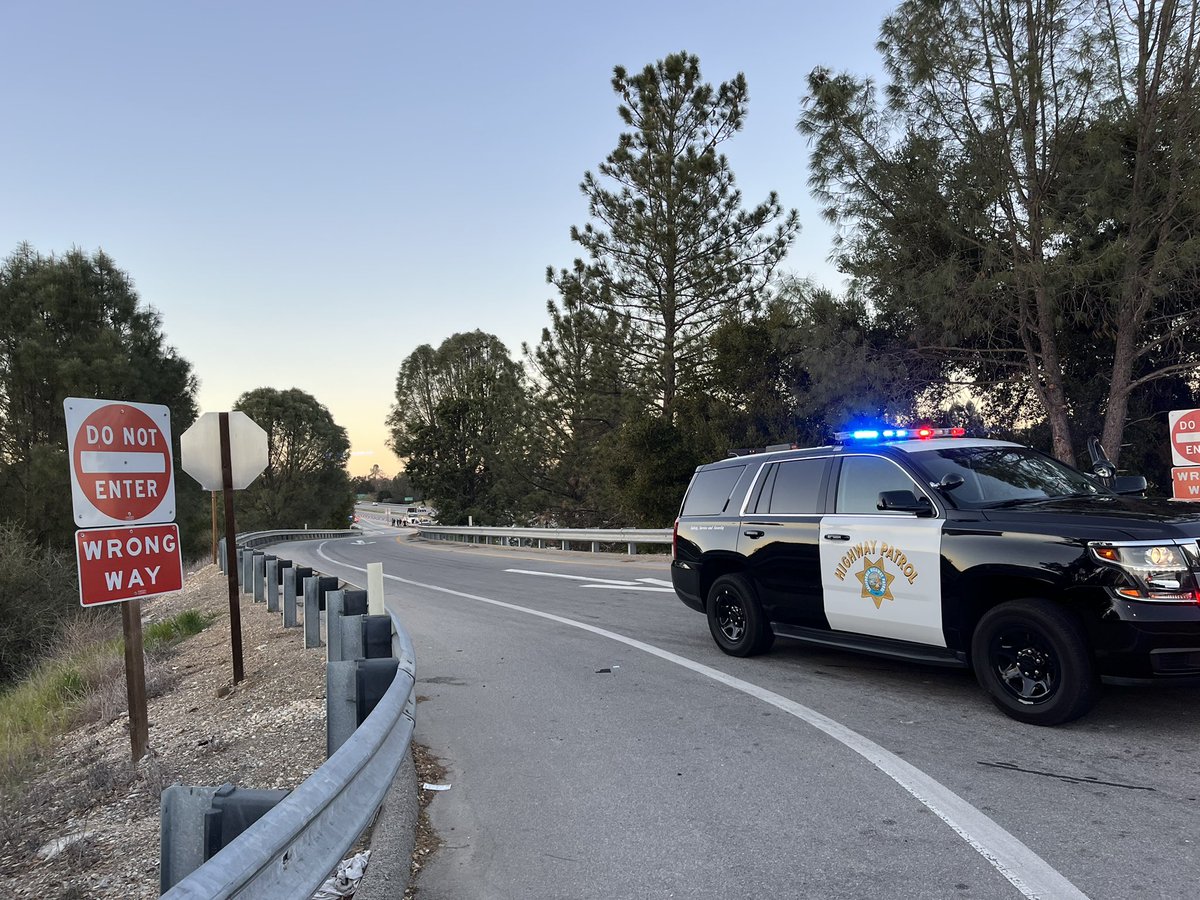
(1027, 181)
(73, 325)
(671, 248)
(580, 377)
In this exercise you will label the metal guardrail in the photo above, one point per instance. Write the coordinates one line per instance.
(262, 538)
(540, 537)
(291, 850)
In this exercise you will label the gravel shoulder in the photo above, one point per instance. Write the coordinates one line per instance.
(88, 824)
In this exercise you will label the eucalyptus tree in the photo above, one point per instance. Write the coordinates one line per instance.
(1030, 179)
(670, 247)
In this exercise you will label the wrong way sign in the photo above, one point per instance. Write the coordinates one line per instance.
(121, 465)
(117, 564)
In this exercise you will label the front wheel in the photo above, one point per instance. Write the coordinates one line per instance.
(736, 619)
(1032, 659)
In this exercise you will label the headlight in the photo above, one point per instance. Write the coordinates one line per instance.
(1159, 571)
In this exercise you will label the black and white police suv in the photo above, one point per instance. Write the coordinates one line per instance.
(928, 545)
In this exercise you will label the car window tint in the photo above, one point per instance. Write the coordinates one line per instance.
(861, 480)
(710, 491)
(797, 487)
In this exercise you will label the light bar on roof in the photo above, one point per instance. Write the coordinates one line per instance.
(924, 433)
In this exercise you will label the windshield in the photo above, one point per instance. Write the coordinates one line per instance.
(1004, 476)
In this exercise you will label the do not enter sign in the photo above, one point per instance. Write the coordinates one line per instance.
(121, 469)
(1185, 436)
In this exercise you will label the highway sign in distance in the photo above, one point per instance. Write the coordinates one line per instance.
(117, 564)
(1185, 436)
(121, 470)
(200, 450)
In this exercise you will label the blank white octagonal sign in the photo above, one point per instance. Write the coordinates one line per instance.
(200, 450)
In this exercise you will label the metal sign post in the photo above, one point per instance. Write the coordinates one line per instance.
(225, 452)
(235, 609)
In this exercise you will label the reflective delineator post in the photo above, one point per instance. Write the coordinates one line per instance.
(375, 588)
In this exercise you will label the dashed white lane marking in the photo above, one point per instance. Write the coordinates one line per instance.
(1025, 870)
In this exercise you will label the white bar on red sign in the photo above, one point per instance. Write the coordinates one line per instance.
(96, 462)
(127, 562)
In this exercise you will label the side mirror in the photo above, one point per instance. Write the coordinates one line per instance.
(950, 481)
(1105, 471)
(1129, 484)
(904, 501)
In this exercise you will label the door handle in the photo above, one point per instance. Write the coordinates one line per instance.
(837, 537)
(754, 533)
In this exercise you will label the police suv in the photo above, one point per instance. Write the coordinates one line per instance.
(927, 545)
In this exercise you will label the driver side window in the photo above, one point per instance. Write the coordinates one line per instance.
(861, 480)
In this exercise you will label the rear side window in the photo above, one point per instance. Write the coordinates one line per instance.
(710, 490)
(795, 488)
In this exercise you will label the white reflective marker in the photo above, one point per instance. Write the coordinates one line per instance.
(1035, 878)
(107, 462)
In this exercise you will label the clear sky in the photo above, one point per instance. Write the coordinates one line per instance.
(308, 191)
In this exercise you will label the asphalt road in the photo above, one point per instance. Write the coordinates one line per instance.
(600, 746)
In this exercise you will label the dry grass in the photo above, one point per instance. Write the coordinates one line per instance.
(83, 681)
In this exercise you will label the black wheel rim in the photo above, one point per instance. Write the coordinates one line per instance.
(1026, 664)
(731, 616)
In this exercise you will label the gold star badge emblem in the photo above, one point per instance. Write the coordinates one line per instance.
(876, 582)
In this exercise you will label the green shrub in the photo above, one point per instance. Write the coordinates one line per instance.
(169, 631)
(38, 594)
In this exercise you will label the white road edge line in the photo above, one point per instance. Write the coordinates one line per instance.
(1025, 870)
(612, 581)
(630, 587)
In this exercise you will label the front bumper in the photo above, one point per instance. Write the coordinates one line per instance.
(1145, 641)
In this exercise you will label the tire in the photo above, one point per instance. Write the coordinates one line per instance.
(1032, 659)
(735, 617)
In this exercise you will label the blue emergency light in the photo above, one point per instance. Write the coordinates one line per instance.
(924, 433)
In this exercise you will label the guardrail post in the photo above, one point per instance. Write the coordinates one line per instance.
(340, 703)
(195, 823)
(333, 626)
(221, 560)
(595, 546)
(631, 548)
(566, 545)
(272, 584)
(247, 571)
(289, 597)
(241, 566)
(260, 576)
(312, 612)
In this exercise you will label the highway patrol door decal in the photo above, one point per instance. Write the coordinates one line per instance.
(881, 575)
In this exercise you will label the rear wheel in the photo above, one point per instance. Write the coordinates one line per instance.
(735, 617)
(1032, 658)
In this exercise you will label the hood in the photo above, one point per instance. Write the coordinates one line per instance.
(1127, 518)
